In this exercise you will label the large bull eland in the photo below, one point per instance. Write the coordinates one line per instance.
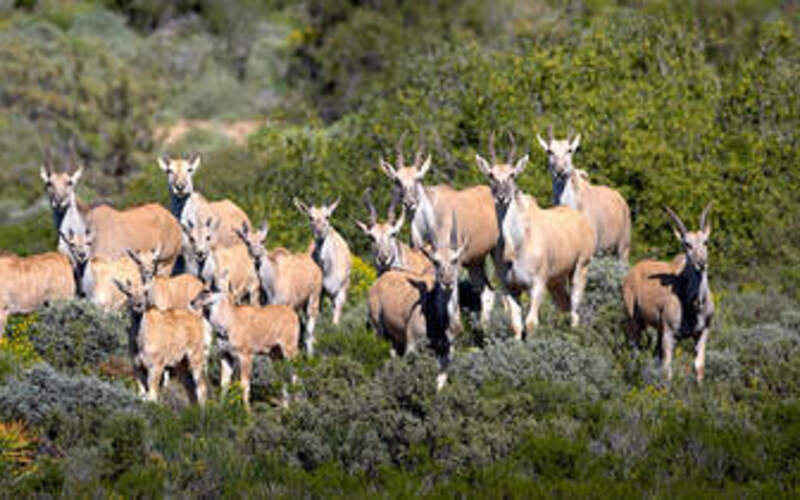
(673, 297)
(605, 207)
(540, 249)
(429, 209)
(140, 228)
(406, 307)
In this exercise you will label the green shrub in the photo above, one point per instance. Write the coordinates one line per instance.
(16, 350)
(752, 307)
(544, 357)
(77, 336)
(122, 444)
(360, 345)
(603, 289)
(41, 394)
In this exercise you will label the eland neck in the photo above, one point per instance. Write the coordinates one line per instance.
(565, 190)
(220, 314)
(177, 203)
(693, 283)
(512, 222)
(440, 314)
(423, 219)
(323, 253)
(267, 274)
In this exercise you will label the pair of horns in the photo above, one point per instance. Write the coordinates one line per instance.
(511, 153)
(551, 136)
(391, 216)
(417, 156)
(70, 158)
(682, 226)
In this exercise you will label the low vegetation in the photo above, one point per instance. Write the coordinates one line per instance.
(677, 103)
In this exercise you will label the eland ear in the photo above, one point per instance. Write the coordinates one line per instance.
(387, 168)
(300, 205)
(426, 165)
(460, 250)
(163, 162)
(483, 164)
(194, 162)
(520, 166)
(543, 143)
(333, 206)
(76, 175)
(262, 231)
(576, 142)
(362, 226)
(427, 251)
(44, 174)
(705, 223)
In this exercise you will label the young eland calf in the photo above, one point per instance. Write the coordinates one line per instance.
(27, 283)
(244, 331)
(288, 278)
(159, 340)
(212, 258)
(169, 292)
(330, 252)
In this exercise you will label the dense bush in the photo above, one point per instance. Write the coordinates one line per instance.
(41, 392)
(662, 119)
(16, 350)
(77, 336)
(546, 356)
(678, 103)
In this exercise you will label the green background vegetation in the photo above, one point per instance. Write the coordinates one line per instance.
(678, 103)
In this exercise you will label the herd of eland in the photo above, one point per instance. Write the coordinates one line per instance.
(200, 270)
